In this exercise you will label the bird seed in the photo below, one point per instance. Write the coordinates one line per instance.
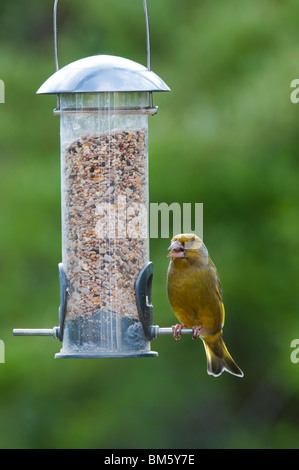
(100, 260)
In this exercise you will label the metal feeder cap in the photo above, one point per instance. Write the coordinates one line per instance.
(103, 73)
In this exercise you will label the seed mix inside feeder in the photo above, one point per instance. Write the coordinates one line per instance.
(105, 275)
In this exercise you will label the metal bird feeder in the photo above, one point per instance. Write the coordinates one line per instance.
(105, 276)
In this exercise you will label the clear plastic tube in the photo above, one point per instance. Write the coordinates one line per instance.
(104, 184)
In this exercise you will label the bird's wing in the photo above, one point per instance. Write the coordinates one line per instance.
(219, 294)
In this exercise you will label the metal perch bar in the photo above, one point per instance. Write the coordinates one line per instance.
(158, 331)
(37, 332)
(155, 329)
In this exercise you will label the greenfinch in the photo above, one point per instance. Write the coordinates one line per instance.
(195, 295)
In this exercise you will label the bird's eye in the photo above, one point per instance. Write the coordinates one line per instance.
(189, 244)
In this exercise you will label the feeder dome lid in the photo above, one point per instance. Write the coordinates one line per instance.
(103, 73)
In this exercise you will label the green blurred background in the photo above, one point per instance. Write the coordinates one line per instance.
(226, 136)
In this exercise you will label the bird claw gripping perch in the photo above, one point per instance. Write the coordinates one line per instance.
(196, 331)
(177, 331)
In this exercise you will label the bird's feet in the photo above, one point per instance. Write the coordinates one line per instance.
(196, 331)
(177, 331)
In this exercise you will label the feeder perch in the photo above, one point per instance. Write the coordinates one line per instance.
(105, 276)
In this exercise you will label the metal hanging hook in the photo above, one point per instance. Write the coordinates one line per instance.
(148, 46)
(55, 35)
(148, 49)
(55, 46)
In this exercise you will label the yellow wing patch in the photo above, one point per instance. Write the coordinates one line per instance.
(221, 302)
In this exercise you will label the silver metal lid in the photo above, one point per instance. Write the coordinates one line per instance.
(103, 73)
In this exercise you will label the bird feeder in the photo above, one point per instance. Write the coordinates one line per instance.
(105, 275)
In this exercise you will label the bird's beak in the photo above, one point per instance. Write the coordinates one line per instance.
(177, 250)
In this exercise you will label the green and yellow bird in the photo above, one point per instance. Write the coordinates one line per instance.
(195, 295)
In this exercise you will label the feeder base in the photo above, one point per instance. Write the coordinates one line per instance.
(105, 355)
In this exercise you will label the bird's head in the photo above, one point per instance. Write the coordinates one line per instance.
(188, 246)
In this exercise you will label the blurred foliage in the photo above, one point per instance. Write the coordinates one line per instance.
(225, 136)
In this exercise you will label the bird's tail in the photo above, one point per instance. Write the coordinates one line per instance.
(219, 359)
